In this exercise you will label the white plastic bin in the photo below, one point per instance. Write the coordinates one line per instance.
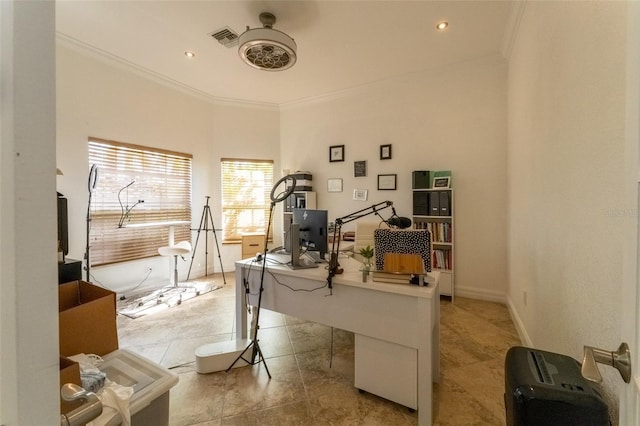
(151, 384)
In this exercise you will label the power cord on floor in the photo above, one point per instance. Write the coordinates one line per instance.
(180, 365)
(122, 297)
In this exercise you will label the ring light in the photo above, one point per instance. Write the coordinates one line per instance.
(286, 193)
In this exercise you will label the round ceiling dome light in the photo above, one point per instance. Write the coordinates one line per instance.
(442, 25)
(265, 48)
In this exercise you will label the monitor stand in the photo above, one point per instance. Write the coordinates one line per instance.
(303, 263)
(315, 256)
(297, 261)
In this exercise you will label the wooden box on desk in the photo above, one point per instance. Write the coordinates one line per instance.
(87, 319)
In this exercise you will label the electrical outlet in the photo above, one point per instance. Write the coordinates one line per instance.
(524, 298)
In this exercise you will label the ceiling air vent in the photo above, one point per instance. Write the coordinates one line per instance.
(226, 36)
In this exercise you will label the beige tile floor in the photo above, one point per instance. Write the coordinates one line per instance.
(304, 390)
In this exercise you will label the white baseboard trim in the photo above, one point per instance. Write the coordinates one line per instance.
(522, 331)
(481, 294)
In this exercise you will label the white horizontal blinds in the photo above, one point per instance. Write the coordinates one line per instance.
(139, 191)
(246, 192)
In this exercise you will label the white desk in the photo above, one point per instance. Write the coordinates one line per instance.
(392, 323)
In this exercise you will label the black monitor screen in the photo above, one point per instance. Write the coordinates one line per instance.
(313, 229)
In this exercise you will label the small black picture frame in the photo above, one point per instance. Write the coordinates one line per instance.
(359, 168)
(385, 152)
(336, 153)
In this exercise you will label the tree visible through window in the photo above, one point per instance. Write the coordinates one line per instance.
(139, 193)
(246, 191)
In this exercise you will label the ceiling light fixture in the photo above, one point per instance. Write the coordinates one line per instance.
(442, 25)
(189, 54)
(267, 49)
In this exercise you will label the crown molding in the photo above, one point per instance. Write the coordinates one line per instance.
(118, 62)
(495, 59)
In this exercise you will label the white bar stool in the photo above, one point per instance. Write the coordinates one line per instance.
(180, 249)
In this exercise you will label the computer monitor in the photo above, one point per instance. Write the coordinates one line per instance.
(313, 229)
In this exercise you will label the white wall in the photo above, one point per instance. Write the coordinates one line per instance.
(104, 99)
(453, 119)
(566, 173)
(29, 377)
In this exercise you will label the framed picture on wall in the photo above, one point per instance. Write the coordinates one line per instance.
(334, 185)
(387, 182)
(359, 168)
(441, 182)
(336, 153)
(360, 194)
(385, 152)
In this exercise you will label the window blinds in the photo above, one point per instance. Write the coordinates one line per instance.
(246, 192)
(139, 192)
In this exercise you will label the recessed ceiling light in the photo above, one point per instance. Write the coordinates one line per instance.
(189, 54)
(442, 25)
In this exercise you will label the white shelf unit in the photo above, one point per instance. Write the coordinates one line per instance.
(434, 209)
(298, 199)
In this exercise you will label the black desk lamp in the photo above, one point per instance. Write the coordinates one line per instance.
(334, 266)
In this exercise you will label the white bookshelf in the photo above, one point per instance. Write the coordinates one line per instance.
(440, 223)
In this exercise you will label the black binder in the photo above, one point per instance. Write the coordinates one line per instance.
(445, 203)
(420, 203)
(434, 203)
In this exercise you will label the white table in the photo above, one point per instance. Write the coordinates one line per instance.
(393, 324)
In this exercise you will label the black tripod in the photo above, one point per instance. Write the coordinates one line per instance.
(204, 226)
(254, 338)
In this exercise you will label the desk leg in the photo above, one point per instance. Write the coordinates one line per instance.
(427, 354)
(241, 312)
(436, 340)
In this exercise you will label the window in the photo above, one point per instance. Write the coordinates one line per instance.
(246, 192)
(139, 192)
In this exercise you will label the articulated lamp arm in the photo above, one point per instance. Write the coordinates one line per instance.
(334, 266)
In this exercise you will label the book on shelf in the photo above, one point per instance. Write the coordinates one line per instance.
(440, 231)
(442, 259)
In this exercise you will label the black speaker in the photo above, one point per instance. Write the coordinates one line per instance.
(420, 179)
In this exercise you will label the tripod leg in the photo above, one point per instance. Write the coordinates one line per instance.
(255, 346)
(239, 357)
(261, 359)
(195, 246)
(215, 237)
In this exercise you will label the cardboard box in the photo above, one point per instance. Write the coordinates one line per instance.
(87, 319)
(69, 373)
